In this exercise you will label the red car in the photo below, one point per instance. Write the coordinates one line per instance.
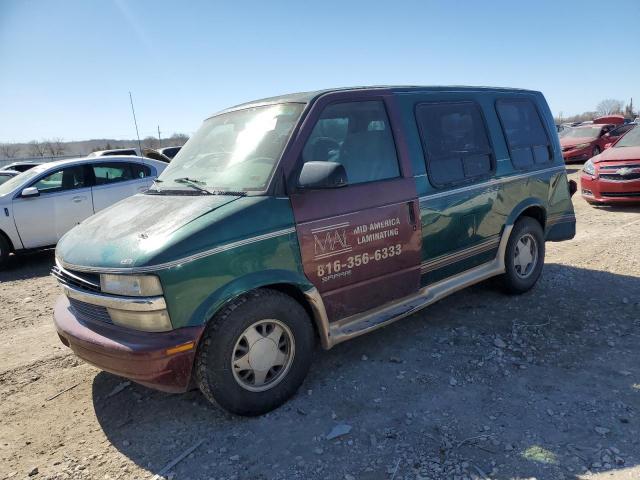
(614, 175)
(582, 143)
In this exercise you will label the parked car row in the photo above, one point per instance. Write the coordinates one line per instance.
(168, 152)
(40, 205)
(585, 141)
(613, 176)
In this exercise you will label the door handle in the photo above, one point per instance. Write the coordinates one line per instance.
(412, 215)
(78, 199)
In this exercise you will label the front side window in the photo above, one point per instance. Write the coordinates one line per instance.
(524, 132)
(358, 136)
(66, 179)
(112, 172)
(234, 151)
(455, 141)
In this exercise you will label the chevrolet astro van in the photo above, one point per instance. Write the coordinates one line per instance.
(311, 218)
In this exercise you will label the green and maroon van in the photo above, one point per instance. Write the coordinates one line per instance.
(307, 219)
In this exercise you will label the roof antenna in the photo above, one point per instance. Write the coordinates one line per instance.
(136, 124)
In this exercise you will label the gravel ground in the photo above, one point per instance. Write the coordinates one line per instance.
(481, 385)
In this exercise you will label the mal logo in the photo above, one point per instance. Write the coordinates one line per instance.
(330, 240)
(623, 172)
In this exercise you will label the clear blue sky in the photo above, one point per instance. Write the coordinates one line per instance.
(66, 66)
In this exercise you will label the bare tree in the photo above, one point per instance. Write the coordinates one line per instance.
(9, 150)
(150, 142)
(178, 139)
(37, 149)
(609, 106)
(55, 147)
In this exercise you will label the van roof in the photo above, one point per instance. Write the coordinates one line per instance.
(306, 97)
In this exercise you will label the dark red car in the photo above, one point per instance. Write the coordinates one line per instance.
(583, 142)
(614, 175)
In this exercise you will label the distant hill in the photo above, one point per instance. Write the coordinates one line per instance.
(55, 148)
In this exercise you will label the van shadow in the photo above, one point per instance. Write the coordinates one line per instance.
(544, 385)
(28, 265)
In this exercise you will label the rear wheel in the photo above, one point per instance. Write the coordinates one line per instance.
(524, 256)
(595, 151)
(255, 354)
(4, 252)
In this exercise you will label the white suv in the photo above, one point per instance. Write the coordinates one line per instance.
(40, 205)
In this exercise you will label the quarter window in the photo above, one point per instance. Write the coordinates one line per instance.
(107, 173)
(358, 136)
(140, 171)
(528, 142)
(66, 179)
(455, 142)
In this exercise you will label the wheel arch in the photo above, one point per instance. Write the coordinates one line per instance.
(287, 282)
(531, 207)
(6, 237)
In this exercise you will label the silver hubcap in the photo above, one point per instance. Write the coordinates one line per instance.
(525, 257)
(262, 355)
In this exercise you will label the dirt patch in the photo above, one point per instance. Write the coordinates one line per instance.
(480, 385)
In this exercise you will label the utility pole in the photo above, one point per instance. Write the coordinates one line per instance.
(136, 124)
(159, 139)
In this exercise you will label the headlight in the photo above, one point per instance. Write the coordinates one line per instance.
(589, 168)
(153, 321)
(131, 285)
(581, 145)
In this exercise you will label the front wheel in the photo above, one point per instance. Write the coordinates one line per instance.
(255, 354)
(595, 151)
(524, 256)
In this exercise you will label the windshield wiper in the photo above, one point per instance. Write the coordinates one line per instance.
(193, 184)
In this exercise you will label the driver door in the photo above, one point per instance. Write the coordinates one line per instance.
(360, 243)
(64, 200)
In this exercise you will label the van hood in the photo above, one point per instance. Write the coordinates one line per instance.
(134, 230)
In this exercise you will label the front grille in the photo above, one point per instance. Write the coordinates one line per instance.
(616, 167)
(87, 311)
(620, 178)
(84, 281)
(620, 194)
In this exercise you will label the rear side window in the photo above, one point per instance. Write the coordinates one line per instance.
(358, 136)
(455, 141)
(526, 137)
(107, 172)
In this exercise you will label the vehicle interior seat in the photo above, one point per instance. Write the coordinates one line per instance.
(367, 154)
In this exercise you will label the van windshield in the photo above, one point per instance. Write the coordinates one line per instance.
(235, 151)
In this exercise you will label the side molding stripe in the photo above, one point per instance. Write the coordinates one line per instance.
(491, 183)
(175, 263)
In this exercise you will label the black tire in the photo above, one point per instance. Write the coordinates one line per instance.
(4, 252)
(595, 151)
(514, 279)
(220, 342)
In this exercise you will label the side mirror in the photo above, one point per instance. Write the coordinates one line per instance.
(30, 192)
(607, 145)
(322, 175)
(573, 187)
